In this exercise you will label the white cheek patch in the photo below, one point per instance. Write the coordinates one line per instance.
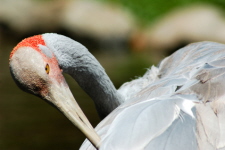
(26, 58)
(45, 50)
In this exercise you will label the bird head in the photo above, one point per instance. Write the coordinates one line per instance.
(35, 69)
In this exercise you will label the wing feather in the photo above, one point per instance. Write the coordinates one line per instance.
(183, 109)
(175, 137)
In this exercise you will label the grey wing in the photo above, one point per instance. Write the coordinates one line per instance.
(210, 111)
(143, 125)
(179, 64)
(189, 57)
(190, 118)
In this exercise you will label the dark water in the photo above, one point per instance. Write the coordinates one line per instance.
(27, 122)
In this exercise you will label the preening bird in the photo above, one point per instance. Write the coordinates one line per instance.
(74, 59)
(177, 105)
(35, 69)
(184, 108)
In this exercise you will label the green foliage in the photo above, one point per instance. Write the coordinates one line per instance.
(148, 10)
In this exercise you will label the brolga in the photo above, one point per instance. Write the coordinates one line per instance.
(177, 105)
(74, 59)
(36, 71)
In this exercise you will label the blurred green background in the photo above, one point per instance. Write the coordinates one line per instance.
(126, 36)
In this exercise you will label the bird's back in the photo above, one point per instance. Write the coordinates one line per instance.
(183, 109)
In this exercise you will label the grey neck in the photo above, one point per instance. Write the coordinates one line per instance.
(77, 61)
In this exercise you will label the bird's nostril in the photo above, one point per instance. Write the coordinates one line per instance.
(80, 118)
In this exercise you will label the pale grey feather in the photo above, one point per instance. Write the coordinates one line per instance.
(183, 109)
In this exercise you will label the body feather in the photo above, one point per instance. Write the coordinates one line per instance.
(182, 107)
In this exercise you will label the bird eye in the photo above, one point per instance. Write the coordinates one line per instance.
(47, 69)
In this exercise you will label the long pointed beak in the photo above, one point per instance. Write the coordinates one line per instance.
(63, 99)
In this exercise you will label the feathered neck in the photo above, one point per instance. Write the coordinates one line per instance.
(78, 62)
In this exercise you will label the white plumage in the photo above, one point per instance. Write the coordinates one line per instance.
(182, 107)
(178, 105)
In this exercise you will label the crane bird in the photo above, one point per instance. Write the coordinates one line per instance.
(74, 59)
(178, 105)
(35, 69)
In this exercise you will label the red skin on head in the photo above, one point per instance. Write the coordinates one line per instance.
(33, 42)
